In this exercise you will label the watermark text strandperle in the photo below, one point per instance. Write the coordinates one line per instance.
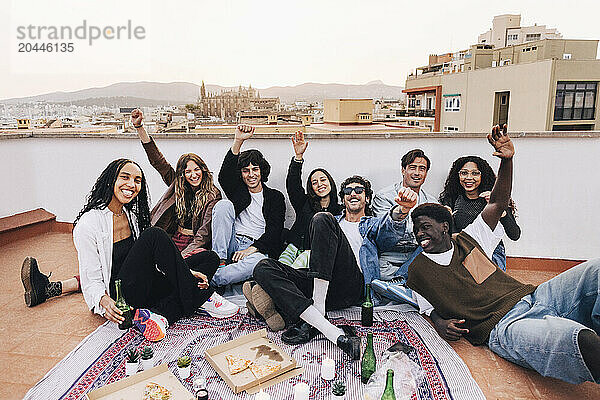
(84, 31)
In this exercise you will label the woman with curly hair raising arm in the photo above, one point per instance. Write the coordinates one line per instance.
(467, 191)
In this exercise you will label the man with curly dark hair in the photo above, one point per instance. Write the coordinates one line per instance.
(343, 259)
(248, 225)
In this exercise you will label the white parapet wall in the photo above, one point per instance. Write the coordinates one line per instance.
(556, 183)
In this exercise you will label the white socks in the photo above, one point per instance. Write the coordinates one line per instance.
(314, 317)
(320, 287)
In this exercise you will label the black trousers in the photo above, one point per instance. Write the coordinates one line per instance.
(331, 259)
(155, 276)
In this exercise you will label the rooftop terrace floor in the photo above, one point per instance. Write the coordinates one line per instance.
(33, 340)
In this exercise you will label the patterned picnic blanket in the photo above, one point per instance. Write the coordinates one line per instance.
(99, 360)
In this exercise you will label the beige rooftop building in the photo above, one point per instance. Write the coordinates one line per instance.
(541, 85)
(507, 31)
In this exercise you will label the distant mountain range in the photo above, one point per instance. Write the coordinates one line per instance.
(155, 93)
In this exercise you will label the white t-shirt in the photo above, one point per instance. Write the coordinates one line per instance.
(352, 233)
(251, 221)
(478, 230)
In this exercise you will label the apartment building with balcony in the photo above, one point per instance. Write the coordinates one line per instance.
(507, 31)
(542, 85)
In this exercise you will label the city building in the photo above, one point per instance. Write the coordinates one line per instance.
(348, 111)
(226, 105)
(507, 31)
(541, 85)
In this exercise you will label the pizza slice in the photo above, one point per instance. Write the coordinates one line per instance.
(262, 370)
(237, 364)
(154, 391)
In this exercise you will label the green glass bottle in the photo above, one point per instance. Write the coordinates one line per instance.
(388, 392)
(123, 306)
(368, 362)
(366, 315)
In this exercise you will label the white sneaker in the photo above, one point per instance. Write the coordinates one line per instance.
(219, 307)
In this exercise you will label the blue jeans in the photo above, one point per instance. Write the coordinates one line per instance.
(499, 256)
(541, 331)
(225, 242)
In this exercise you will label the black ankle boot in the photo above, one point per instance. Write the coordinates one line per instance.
(34, 282)
(349, 342)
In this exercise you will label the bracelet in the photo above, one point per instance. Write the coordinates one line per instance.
(138, 126)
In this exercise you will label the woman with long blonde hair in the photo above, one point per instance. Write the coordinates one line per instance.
(185, 210)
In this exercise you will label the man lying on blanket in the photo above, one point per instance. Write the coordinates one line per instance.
(552, 328)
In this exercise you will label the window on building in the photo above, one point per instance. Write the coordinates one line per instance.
(575, 100)
(450, 129)
(452, 103)
(566, 56)
(573, 127)
(513, 37)
(533, 36)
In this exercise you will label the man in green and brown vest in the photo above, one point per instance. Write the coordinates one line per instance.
(552, 329)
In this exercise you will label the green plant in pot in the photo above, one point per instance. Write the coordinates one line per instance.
(132, 358)
(147, 358)
(184, 365)
(338, 390)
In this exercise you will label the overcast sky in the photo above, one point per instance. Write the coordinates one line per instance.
(265, 43)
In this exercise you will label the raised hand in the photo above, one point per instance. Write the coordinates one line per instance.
(137, 117)
(406, 199)
(300, 144)
(501, 142)
(244, 132)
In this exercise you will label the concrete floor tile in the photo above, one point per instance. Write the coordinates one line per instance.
(25, 369)
(12, 391)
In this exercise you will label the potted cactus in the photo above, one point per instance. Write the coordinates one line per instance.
(338, 390)
(132, 361)
(147, 358)
(184, 365)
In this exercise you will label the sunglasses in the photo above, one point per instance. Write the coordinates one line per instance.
(356, 189)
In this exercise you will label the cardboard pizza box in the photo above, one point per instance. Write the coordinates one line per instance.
(259, 349)
(133, 386)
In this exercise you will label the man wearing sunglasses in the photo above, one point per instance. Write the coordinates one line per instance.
(343, 259)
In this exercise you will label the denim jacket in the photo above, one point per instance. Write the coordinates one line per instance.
(392, 260)
(379, 234)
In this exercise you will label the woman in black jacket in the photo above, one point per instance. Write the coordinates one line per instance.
(320, 195)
